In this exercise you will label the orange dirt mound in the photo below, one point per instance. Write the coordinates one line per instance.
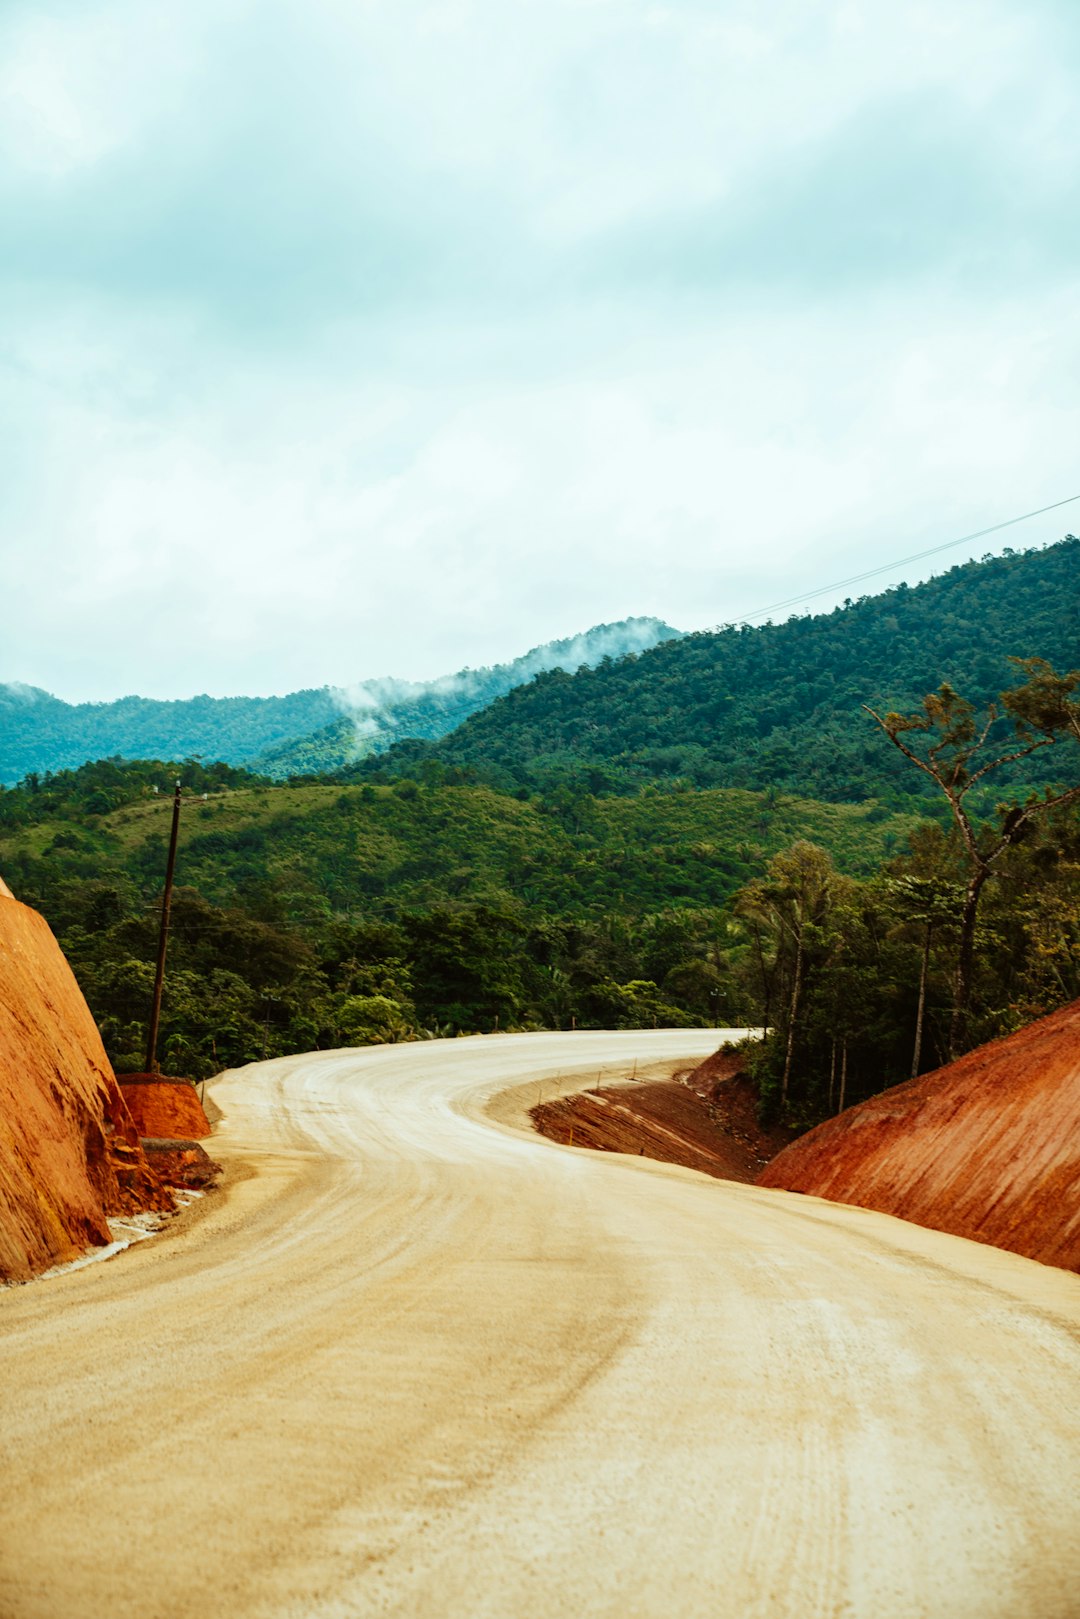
(987, 1147)
(69, 1152)
(703, 1119)
(164, 1107)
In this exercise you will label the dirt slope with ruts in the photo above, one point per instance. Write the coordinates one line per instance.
(69, 1152)
(987, 1147)
(703, 1119)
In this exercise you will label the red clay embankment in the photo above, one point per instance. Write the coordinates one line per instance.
(69, 1152)
(987, 1147)
(704, 1119)
(163, 1107)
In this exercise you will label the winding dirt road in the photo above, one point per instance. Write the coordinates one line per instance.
(419, 1362)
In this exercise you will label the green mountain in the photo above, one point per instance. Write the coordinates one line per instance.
(304, 732)
(554, 861)
(39, 732)
(778, 705)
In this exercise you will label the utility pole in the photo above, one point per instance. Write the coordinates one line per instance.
(163, 938)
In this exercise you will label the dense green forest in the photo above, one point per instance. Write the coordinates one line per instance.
(39, 732)
(305, 732)
(314, 915)
(305, 909)
(779, 705)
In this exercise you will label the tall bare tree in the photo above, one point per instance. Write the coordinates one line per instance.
(959, 753)
(925, 904)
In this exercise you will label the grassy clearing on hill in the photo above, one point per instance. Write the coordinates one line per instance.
(379, 850)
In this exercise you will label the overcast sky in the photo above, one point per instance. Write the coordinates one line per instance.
(342, 338)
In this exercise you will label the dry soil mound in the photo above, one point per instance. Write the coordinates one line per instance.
(704, 1119)
(182, 1163)
(164, 1107)
(69, 1152)
(987, 1147)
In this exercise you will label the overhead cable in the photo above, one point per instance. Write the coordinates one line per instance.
(917, 556)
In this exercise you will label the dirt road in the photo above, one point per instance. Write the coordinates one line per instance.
(419, 1364)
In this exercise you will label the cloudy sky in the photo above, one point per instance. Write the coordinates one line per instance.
(342, 338)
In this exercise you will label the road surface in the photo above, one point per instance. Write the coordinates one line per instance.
(420, 1363)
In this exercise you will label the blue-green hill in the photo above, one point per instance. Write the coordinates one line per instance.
(780, 705)
(304, 732)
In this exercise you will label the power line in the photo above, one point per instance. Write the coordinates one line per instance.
(887, 567)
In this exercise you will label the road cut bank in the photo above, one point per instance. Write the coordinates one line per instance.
(987, 1147)
(417, 1360)
(70, 1155)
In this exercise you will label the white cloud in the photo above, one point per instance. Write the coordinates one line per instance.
(79, 82)
(342, 339)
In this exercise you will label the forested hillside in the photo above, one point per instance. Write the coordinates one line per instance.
(780, 704)
(438, 908)
(306, 731)
(39, 732)
(315, 915)
(557, 861)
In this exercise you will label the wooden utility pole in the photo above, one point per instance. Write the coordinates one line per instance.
(163, 939)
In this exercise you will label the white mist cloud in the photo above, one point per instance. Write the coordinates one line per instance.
(371, 705)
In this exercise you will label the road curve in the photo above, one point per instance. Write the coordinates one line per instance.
(420, 1363)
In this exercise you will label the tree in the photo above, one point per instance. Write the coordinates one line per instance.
(364, 1020)
(793, 901)
(636, 1005)
(1044, 712)
(926, 903)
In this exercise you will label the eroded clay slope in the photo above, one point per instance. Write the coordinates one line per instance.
(69, 1152)
(163, 1107)
(987, 1147)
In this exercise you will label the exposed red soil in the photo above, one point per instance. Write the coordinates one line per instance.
(703, 1119)
(69, 1151)
(162, 1106)
(181, 1163)
(987, 1147)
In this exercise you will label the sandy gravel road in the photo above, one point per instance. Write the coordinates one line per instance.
(420, 1363)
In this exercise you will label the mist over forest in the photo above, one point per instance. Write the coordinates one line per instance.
(302, 731)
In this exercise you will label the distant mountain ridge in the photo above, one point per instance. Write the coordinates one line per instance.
(382, 712)
(780, 705)
(303, 732)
